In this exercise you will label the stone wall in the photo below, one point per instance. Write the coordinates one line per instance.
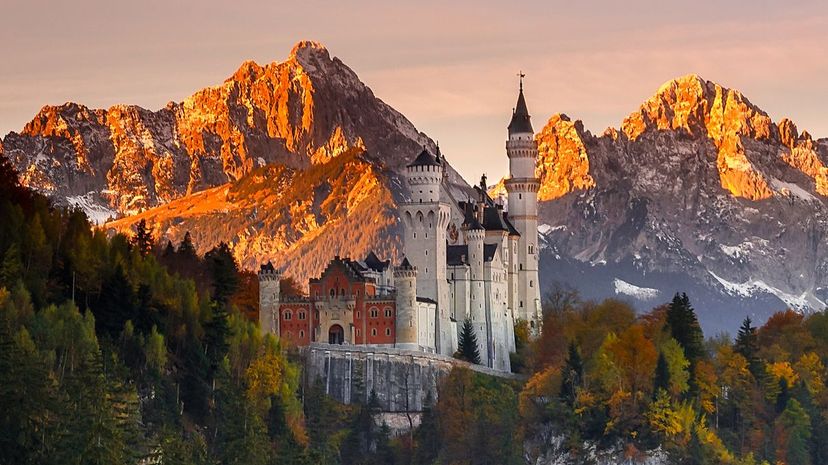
(402, 379)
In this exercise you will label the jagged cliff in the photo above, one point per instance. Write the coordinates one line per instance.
(293, 161)
(303, 111)
(699, 190)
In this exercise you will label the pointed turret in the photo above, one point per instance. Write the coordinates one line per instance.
(520, 122)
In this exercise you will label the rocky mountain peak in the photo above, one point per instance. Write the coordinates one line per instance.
(303, 111)
(309, 52)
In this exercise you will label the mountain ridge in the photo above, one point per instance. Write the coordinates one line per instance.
(698, 184)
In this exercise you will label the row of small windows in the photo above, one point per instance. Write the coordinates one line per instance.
(288, 314)
(374, 313)
(374, 332)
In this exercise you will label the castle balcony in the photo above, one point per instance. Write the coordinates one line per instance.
(337, 302)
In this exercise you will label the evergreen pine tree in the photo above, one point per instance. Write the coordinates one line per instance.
(216, 334)
(793, 428)
(747, 345)
(186, 248)
(11, 268)
(662, 375)
(467, 346)
(115, 305)
(224, 272)
(572, 374)
(427, 436)
(142, 240)
(169, 250)
(685, 329)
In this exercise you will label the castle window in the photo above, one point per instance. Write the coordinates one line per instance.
(520, 196)
(301, 314)
(373, 331)
(333, 292)
(387, 312)
(426, 252)
(358, 315)
(301, 334)
(288, 314)
(343, 292)
(521, 266)
(387, 331)
(415, 235)
(521, 304)
(374, 312)
(531, 249)
(531, 283)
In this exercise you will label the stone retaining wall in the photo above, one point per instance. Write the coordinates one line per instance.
(402, 379)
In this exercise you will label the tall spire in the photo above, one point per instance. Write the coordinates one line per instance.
(520, 116)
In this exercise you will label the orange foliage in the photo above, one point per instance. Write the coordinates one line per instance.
(636, 356)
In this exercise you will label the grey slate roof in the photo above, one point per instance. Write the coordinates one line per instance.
(425, 159)
(520, 118)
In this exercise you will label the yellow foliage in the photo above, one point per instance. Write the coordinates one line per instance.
(782, 371)
(811, 370)
(542, 385)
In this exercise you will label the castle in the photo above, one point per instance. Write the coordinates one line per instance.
(472, 258)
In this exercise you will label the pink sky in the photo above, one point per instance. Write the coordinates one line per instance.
(450, 69)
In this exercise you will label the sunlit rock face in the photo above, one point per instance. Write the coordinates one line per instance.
(292, 161)
(699, 190)
(305, 110)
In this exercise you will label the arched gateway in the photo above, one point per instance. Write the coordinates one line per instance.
(336, 335)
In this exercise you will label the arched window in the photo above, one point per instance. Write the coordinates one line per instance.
(302, 314)
(387, 331)
(333, 292)
(531, 283)
(387, 312)
(374, 312)
(288, 314)
(373, 331)
(301, 334)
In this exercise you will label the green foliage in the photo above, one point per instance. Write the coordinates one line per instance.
(747, 345)
(467, 345)
(661, 384)
(652, 383)
(572, 375)
(109, 356)
(684, 327)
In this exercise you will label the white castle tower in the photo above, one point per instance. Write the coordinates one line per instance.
(479, 306)
(425, 219)
(523, 187)
(407, 323)
(269, 298)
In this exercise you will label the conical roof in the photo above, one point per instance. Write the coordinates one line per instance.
(520, 118)
(425, 159)
(405, 265)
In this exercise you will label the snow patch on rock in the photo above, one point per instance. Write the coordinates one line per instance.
(641, 293)
(97, 213)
